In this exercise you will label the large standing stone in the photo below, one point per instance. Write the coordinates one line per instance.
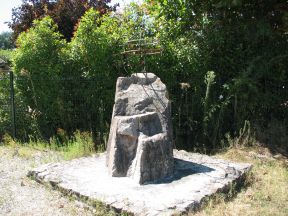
(140, 139)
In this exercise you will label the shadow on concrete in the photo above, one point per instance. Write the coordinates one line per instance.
(183, 168)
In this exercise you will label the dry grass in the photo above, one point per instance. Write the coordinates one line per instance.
(267, 193)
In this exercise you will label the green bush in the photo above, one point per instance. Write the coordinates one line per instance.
(68, 86)
(6, 55)
(38, 64)
(71, 85)
(246, 49)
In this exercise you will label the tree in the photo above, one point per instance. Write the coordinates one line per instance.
(244, 43)
(65, 13)
(38, 64)
(224, 63)
(6, 40)
(68, 85)
(95, 52)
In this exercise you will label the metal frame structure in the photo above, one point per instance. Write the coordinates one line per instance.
(143, 48)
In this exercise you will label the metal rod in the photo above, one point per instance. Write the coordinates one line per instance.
(142, 44)
(136, 40)
(12, 97)
(142, 51)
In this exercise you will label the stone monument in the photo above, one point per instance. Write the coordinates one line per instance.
(140, 140)
(140, 152)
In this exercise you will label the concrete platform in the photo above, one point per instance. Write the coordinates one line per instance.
(196, 177)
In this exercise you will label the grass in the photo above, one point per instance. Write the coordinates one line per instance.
(80, 145)
(267, 191)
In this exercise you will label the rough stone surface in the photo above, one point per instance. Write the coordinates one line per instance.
(195, 177)
(140, 139)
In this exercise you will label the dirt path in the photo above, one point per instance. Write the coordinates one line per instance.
(21, 196)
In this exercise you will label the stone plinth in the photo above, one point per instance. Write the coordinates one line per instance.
(140, 139)
(196, 177)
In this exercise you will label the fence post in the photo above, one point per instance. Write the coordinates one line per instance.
(12, 97)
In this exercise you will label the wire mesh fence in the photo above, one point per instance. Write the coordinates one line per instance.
(7, 112)
(48, 107)
(56, 107)
(42, 108)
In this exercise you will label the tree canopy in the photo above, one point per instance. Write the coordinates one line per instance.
(65, 13)
(224, 63)
(6, 40)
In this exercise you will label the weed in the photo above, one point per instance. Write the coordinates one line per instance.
(265, 192)
(79, 145)
(8, 140)
(245, 138)
(26, 152)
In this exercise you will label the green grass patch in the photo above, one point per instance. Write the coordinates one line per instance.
(80, 145)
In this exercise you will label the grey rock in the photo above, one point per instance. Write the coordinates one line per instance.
(140, 139)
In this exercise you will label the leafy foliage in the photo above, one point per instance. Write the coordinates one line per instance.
(65, 80)
(6, 55)
(244, 43)
(6, 40)
(224, 62)
(5, 111)
(65, 13)
(4, 105)
(38, 63)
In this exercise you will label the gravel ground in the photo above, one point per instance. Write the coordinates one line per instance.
(21, 196)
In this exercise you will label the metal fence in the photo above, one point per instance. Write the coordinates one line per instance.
(7, 103)
(47, 107)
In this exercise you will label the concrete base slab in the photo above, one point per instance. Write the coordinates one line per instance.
(195, 177)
